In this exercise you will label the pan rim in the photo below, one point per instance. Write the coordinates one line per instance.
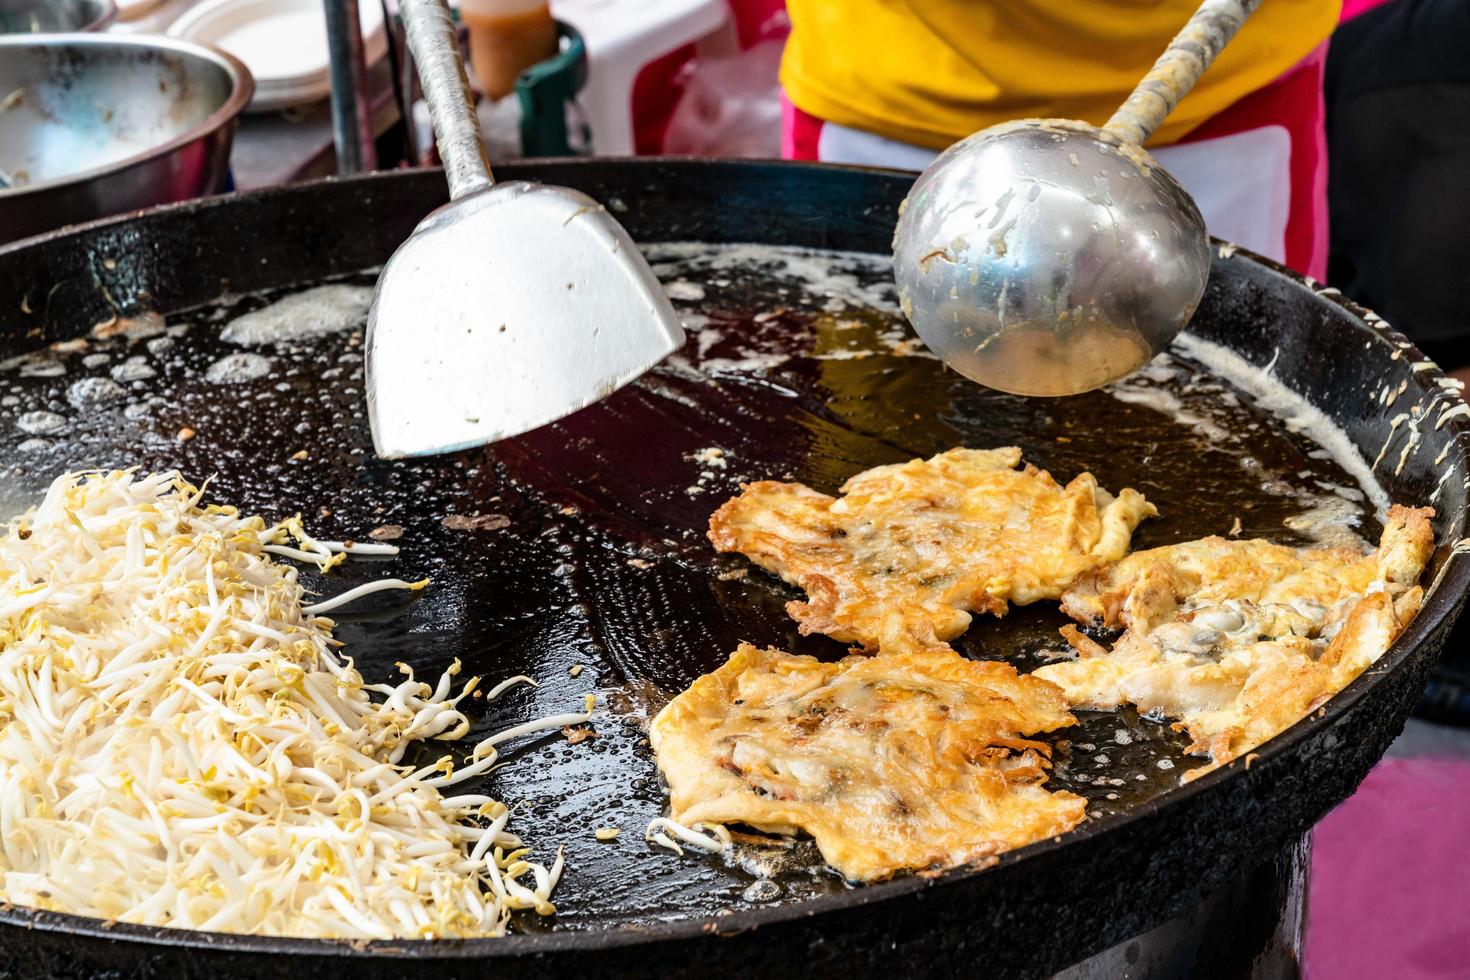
(1441, 604)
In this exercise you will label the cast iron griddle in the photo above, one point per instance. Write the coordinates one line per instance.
(592, 550)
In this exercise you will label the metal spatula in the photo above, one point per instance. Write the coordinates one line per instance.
(511, 306)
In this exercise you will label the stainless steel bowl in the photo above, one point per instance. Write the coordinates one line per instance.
(55, 16)
(92, 125)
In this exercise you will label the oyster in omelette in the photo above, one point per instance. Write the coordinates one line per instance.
(910, 550)
(914, 760)
(1237, 640)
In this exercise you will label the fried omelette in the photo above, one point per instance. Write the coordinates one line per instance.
(1237, 640)
(916, 760)
(910, 550)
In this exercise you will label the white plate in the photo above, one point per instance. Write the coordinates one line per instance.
(148, 16)
(282, 42)
(133, 9)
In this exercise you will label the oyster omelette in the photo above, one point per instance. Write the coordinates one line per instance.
(906, 755)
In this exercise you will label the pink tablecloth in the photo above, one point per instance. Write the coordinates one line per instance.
(1390, 888)
(1352, 8)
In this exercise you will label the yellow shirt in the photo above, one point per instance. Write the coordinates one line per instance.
(930, 72)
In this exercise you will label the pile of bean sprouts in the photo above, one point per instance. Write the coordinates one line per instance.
(180, 744)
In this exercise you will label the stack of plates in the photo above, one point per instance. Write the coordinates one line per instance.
(147, 16)
(129, 10)
(282, 42)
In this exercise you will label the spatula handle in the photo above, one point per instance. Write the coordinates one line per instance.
(435, 46)
(1185, 59)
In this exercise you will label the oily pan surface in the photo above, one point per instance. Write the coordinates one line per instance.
(589, 546)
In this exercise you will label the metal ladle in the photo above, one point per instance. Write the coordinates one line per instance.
(1050, 257)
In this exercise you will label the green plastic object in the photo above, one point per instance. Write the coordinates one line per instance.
(545, 90)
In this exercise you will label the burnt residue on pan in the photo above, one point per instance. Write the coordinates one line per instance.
(576, 554)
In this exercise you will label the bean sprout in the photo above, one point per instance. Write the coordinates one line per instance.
(180, 744)
(368, 588)
(711, 838)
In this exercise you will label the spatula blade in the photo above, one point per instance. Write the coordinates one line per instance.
(504, 311)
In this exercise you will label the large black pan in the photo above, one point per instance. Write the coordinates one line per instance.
(603, 564)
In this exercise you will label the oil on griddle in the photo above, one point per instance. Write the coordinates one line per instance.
(583, 543)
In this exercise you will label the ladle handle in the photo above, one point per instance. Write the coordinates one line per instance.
(1191, 52)
(435, 45)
